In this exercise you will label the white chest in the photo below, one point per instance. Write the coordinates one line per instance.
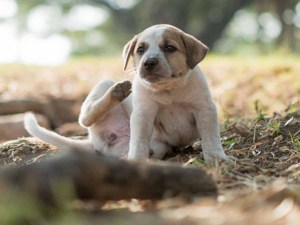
(175, 124)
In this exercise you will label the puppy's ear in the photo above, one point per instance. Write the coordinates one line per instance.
(195, 50)
(128, 50)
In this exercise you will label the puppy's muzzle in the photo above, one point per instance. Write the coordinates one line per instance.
(150, 64)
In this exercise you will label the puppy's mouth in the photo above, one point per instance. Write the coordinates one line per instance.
(152, 78)
(157, 77)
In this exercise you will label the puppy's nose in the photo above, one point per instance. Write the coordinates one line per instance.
(150, 63)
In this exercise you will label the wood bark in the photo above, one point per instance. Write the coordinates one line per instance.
(20, 106)
(98, 177)
(69, 109)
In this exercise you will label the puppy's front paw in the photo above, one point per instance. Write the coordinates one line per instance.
(121, 90)
(213, 157)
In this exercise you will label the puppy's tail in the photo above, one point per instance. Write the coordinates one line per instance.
(33, 128)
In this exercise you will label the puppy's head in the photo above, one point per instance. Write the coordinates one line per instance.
(163, 52)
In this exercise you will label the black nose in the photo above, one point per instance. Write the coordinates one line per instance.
(150, 63)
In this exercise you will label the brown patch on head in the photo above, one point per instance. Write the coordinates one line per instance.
(193, 49)
(176, 59)
(136, 56)
(128, 50)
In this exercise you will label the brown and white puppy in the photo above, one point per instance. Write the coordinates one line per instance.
(170, 104)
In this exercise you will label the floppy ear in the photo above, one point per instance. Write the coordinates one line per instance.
(128, 50)
(195, 50)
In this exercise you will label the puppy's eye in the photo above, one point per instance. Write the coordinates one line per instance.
(170, 48)
(140, 50)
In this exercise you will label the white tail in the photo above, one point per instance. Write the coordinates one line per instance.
(33, 128)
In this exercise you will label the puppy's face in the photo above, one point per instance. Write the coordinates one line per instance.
(163, 52)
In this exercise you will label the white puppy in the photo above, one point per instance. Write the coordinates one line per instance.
(170, 103)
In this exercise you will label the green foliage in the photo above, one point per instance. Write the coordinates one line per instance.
(259, 111)
(295, 142)
(199, 163)
(230, 143)
(18, 208)
(276, 126)
(22, 208)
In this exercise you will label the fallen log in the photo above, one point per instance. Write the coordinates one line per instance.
(68, 108)
(20, 106)
(96, 177)
(12, 126)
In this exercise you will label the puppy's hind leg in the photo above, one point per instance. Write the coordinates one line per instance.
(103, 97)
(158, 149)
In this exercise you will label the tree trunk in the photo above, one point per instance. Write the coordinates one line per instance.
(213, 29)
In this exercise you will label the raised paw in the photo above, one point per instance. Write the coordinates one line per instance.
(121, 90)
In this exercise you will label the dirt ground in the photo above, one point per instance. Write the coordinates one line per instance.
(260, 187)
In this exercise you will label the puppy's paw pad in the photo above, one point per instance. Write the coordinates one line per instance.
(121, 90)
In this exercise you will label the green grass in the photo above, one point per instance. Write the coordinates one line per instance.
(295, 142)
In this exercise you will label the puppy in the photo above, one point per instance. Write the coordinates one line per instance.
(170, 104)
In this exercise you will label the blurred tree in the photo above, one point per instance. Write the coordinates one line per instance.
(207, 20)
(204, 19)
(285, 12)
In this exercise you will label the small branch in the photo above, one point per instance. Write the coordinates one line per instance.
(20, 106)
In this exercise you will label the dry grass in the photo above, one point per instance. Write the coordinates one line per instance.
(237, 83)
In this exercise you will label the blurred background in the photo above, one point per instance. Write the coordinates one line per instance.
(51, 31)
(53, 51)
